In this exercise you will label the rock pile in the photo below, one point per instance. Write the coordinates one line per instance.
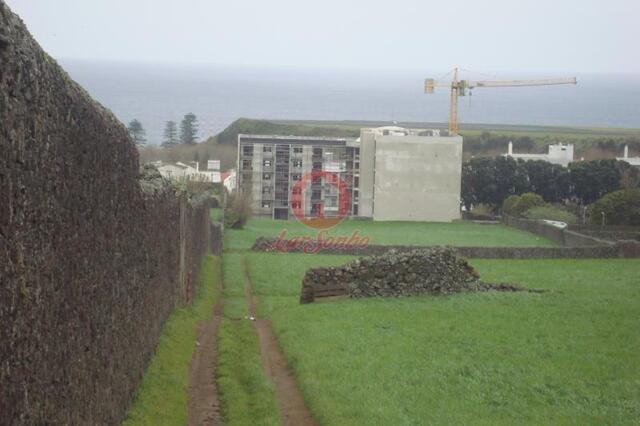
(434, 270)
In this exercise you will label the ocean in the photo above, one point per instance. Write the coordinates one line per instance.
(218, 95)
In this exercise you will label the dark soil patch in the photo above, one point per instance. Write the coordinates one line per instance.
(508, 287)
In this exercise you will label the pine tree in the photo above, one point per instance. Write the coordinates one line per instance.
(137, 132)
(189, 129)
(170, 135)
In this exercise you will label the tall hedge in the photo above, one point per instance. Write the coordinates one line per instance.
(90, 251)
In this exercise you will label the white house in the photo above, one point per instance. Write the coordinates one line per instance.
(229, 180)
(183, 172)
(634, 161)
(558, 154)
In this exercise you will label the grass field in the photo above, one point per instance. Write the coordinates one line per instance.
(567, 356)
(162, 396)
(394, 233)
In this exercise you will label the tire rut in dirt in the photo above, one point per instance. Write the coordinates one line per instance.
(204, 404)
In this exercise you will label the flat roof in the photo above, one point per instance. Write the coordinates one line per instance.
(299, 140)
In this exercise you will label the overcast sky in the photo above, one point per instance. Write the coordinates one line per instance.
(491, 35)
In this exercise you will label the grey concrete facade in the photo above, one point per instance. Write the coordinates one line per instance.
(416, 176)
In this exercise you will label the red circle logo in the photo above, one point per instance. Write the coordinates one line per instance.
(320, 199)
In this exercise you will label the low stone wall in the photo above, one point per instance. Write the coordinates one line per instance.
(423, 271)
(609, 233)
(584, 252)
(94, 254)
(564, 237)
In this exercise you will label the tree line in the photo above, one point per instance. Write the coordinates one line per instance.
(187, 134)
(490, 180)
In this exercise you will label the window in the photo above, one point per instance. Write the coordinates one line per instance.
(266, 176)
(296, 190)
(296, 205)
(297, 163)
(317, 165)
(266, 163)
(246, 164)
(297, 150)
(267, 148)
(266, 204)
(247, 150)
(317, 151)
(296, 176)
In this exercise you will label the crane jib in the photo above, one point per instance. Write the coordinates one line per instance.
(460, 87)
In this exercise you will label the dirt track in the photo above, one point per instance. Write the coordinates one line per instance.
(204, 405)
(293, 410)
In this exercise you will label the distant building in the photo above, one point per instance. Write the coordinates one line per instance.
(184, 172)
(557, 154)
(229, 180)
(634, 161)
(269, 167)
(389, 173)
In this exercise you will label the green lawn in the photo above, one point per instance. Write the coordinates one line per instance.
(393, 233)
(162, 396)
(567, 356)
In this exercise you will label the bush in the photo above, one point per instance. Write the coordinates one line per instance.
(550, 212)
(509, 203)
(516, 205)
(620, 208)
(483, 210)
(238, 211)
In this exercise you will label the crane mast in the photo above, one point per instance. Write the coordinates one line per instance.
(460, 87)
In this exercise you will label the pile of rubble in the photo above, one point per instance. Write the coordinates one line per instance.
(434, 270)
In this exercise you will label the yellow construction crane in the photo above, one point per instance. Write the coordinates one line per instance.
(460, 87)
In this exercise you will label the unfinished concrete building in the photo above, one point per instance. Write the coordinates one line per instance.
(389, 173)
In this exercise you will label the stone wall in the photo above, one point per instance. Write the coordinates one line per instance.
(582, 252)
(564, 237)
(93, 256)
(609, 233)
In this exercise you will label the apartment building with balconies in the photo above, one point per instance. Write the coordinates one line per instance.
(283, 174)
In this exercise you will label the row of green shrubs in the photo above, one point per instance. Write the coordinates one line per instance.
(533, 206)
(618, 208)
